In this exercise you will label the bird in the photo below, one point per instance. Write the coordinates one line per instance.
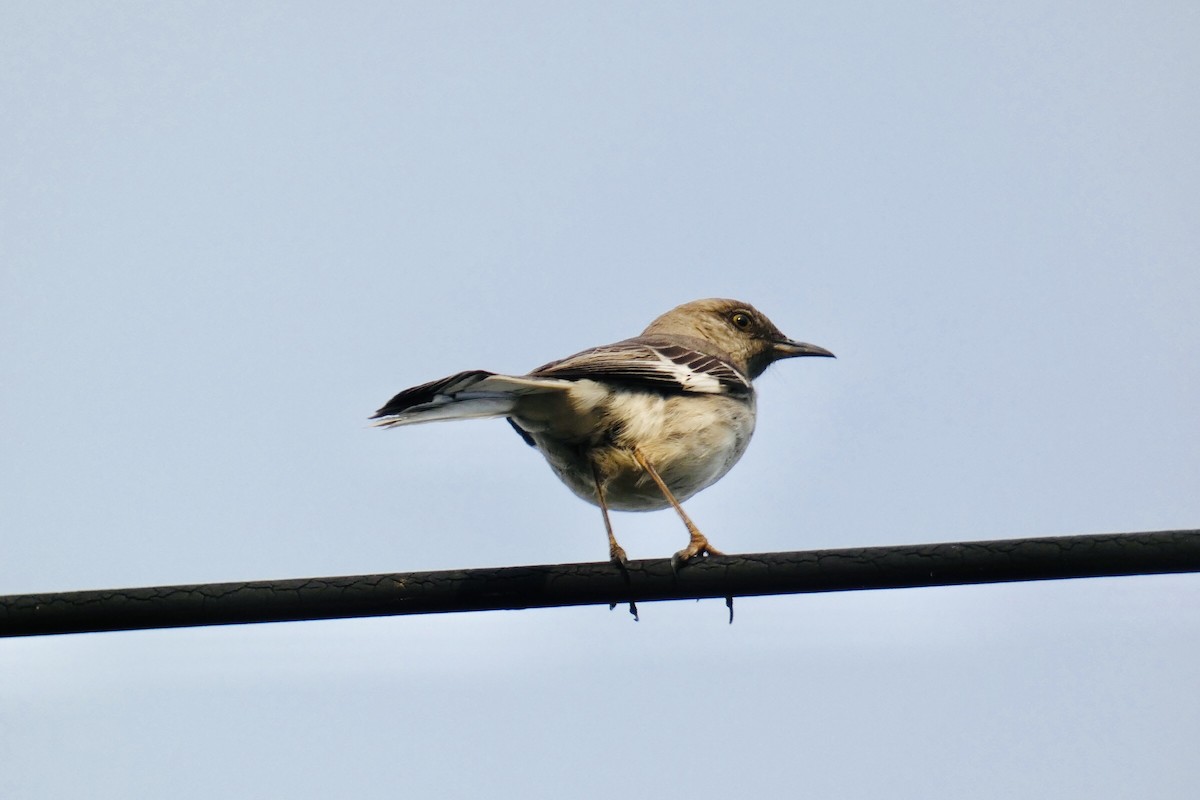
(642, 424)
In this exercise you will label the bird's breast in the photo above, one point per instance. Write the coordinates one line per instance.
(691, 440)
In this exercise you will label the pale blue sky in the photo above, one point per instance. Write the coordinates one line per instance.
(229, 232)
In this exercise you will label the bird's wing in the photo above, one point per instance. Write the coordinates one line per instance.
(652, 363)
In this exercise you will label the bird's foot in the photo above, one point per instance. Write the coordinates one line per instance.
(698, 546)
(616, 554)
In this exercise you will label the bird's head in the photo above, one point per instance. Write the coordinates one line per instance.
(737, 329)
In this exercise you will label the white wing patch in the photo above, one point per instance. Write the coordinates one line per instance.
(662, 366)
(692, 380)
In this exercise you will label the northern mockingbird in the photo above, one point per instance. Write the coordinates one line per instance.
(638, 425)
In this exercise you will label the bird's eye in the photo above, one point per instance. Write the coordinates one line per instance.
(742, 320)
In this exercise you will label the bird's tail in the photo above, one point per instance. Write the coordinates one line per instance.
(468, 395)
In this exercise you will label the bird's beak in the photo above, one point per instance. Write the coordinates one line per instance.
(787, 348)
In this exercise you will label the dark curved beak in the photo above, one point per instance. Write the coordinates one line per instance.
(787, 348)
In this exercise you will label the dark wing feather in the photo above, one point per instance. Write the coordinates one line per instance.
(663, 366)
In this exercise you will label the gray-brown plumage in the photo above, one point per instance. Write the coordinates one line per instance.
(638, 425)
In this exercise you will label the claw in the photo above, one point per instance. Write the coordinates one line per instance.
(698, 546)
(633, 612)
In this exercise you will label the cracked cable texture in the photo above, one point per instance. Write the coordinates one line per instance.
(544, 586)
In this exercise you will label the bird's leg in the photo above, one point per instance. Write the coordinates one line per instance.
(698, 544)
(616, 553)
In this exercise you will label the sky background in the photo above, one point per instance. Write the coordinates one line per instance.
(230, 231)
